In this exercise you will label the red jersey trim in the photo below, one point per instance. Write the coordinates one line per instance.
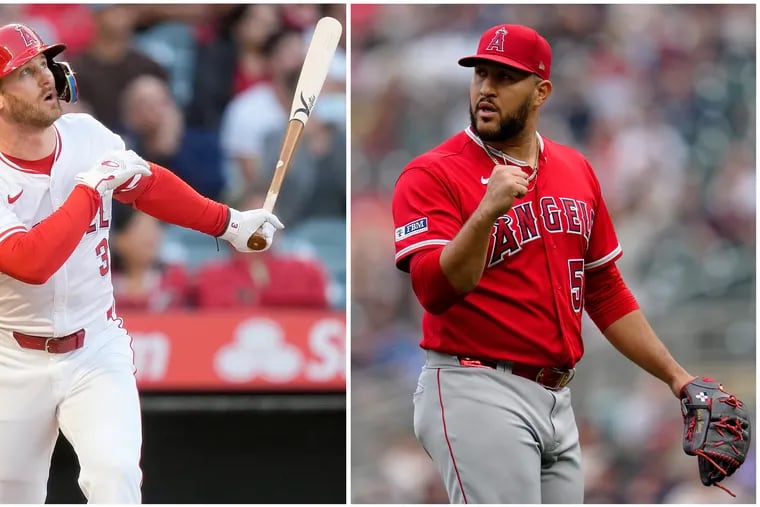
(446, 433)
(11, 231)
(56, 153)
(58, 144)
(422, 244)
(617, 252)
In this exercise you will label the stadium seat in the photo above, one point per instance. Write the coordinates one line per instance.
(324, 238)
(262, 280)
(191, 248)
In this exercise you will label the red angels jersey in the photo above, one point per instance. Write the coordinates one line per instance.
(528, 304)
(80, 291)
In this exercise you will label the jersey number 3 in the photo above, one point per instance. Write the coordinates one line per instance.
(102, 251)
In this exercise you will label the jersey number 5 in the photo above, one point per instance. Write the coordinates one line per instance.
(577, 278)
(102, 251)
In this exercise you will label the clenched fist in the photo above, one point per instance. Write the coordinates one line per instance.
(113, 170)
(506, 183)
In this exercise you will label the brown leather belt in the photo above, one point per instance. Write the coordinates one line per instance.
(55, 345)
(550, 377)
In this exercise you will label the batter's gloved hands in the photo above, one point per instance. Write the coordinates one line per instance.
(717, 429)
(113, 170)
(244, 223)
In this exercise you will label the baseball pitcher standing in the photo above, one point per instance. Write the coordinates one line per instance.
(507, 239)
(65, 360)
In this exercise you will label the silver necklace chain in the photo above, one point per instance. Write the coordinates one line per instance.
(494, 152)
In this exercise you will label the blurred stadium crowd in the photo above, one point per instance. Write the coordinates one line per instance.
(205, 90)
(661, 100)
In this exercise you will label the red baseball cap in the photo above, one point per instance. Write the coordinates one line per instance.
(515, 46)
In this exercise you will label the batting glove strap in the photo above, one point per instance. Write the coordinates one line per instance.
(112, 171)
(243, 224)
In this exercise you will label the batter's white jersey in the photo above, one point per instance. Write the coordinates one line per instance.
(80, 291)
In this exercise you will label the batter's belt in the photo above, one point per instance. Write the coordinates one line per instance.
(548, 376)
(54, 345)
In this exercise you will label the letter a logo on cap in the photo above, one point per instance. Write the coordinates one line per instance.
(497, 43)
(29, 39)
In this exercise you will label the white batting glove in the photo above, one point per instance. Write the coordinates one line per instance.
(244, 223)
(113, 170)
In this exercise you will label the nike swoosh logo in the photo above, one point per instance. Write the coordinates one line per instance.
(13, 199)
(484, 181)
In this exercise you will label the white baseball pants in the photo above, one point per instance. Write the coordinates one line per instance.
(91, 395)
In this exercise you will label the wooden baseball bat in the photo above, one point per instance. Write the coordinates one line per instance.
(313, 74)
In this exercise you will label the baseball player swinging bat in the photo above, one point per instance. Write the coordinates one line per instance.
(313, 73)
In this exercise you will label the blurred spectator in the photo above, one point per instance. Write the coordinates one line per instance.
(234, 44)
(300, 16)
(140, 280)
(15, 13)
(316, 187)
(110, 63)
(72, 23)
(262, 109)
(150, 15)
(409, 474)
(254, 27)
(730, 196)
(254, 125)
(167, 34)
(155, 128)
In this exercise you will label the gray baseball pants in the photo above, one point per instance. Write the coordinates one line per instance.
(496, 437)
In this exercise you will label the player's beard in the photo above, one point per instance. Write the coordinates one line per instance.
(31, 114)
(508, 128)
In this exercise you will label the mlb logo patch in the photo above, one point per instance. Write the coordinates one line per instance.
(412, 228)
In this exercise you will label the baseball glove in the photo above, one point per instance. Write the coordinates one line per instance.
(717, 430)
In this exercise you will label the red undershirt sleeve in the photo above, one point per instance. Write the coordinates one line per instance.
(33, 256)
(433, 289)
(608, 298)
(165, 196)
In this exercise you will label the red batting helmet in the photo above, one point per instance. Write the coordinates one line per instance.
(19, 44)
